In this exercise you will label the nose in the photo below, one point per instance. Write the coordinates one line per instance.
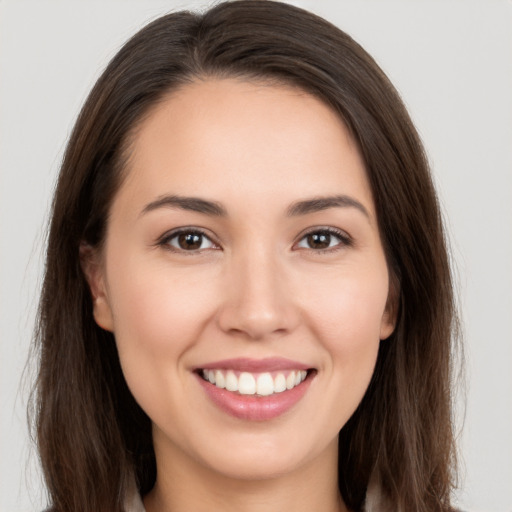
(258, 298)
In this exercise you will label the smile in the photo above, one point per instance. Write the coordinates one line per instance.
(255, 390)
(261, 384)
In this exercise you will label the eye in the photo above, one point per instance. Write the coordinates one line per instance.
(189, 240)
(324, 239)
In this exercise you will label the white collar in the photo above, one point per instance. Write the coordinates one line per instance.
(133, 501)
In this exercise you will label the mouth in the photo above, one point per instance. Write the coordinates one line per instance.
(252, 383)
(255, 389)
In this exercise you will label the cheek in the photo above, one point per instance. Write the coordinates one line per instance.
(347, 317)
(350, 308)
(155, 306)
(157, 316)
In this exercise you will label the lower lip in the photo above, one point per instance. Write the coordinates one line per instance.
(254, 407)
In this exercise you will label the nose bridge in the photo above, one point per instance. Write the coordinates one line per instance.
(258, 299)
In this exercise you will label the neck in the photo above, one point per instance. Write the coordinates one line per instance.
(183, 485)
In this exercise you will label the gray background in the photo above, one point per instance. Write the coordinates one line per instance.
(452, 62)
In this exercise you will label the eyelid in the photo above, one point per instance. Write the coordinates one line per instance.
(345, 239)
(163, 240)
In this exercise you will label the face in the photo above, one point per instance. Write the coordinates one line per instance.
(244, 278)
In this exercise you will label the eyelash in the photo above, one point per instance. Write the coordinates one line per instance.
(344, 240)
(165, 240)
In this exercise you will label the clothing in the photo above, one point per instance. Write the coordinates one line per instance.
(373, 502)
(133, 502)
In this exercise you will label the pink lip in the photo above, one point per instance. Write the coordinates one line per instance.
(269, 364)
(252, 407)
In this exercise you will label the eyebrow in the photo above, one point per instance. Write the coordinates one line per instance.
(193, 204)
(213, 208)
(317, 204)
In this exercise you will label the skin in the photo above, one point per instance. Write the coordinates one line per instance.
(256, 288)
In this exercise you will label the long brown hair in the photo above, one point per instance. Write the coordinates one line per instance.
(92, 435)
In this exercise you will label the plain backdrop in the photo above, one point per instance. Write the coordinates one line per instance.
(452, 62)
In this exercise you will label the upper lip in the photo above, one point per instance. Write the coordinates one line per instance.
(255, 365)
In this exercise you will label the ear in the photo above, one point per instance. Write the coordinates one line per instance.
(93, 269)
(390, 316)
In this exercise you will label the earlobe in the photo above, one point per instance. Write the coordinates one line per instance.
(387, 325)
(92, 268)
(390, 316)
(103, 314)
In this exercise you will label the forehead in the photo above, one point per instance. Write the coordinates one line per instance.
(225, 137)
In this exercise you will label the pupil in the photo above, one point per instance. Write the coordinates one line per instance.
(189, 241)
(319, 240)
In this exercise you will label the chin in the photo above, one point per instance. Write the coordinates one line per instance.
(271, 458)
(257, 467)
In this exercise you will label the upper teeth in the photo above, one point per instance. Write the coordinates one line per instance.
(246, 383)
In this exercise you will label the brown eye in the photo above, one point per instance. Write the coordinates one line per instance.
(324, 239)
(189, 241)
(318, 240)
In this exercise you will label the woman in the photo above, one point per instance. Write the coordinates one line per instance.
(247, 302)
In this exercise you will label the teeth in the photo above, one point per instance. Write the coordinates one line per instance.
(265, 384)
(246, 384)
(262, 384)
(279, 383)
(231, 381)
(220, 381)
